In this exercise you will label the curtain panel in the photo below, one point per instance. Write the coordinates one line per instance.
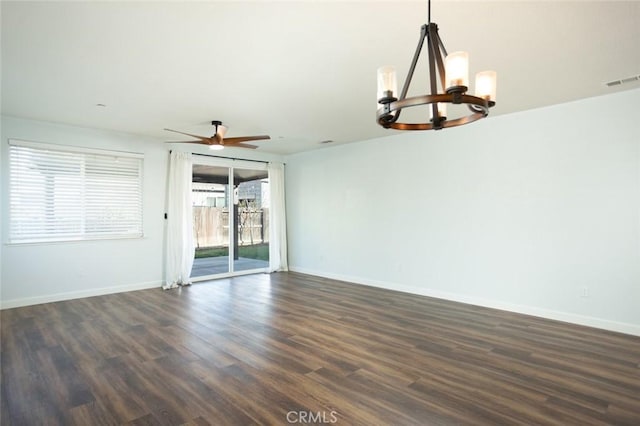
(180, 244)
(277, 219)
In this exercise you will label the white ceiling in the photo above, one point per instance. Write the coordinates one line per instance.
(302, 72)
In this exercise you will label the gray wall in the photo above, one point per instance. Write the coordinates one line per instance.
(528, 212)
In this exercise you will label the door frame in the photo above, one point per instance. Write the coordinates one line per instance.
(230, 164)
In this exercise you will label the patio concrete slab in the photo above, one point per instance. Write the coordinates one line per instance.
(220, 265)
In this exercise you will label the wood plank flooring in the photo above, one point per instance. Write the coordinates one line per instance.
(289, 348)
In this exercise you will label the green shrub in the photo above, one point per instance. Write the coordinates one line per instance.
(256, 251)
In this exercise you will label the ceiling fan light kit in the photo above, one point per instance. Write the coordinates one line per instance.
(453, 72)
(220, 129)
(218, 135)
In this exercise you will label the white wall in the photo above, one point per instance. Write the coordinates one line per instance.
(35, 273)
(38, 273)
(521, 212)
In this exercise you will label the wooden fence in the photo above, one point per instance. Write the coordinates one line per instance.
(211, 226)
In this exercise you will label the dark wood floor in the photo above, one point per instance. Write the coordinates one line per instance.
(287, 347)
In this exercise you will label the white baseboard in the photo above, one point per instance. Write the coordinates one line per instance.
(28, 301)
(620, 327)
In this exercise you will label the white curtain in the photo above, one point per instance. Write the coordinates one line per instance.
(180, 245)
(277, 219)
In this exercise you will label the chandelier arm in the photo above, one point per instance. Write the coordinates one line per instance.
(386, 117)
(481, 109)
(438, 48)
(412, 68)
(436, 119)
(442, 48)
(474, 108)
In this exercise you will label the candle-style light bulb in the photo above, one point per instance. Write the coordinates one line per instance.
(456, 72)
(486, 85)
(387, 83)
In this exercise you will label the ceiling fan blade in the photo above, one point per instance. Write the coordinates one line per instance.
(198, 142)
(229, 141)
(202, 138)
(242, 145)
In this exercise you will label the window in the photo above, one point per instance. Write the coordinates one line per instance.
(60, 193)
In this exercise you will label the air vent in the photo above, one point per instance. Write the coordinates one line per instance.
(623, 81)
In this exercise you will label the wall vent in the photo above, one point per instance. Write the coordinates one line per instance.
(623, 81)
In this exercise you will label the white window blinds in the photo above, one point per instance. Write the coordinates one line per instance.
(59, 193)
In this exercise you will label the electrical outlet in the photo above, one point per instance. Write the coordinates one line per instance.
(585, 291)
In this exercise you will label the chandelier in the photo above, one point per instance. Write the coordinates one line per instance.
(450, 88)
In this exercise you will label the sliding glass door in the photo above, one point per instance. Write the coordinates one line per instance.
(251, 227)
(210, 220)
(230, 218)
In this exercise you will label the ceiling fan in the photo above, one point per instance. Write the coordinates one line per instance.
(217, 141)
